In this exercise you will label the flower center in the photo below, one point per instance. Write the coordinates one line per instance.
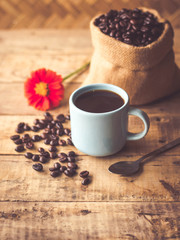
(41, 89)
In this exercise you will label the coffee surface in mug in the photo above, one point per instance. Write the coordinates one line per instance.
(99, 101)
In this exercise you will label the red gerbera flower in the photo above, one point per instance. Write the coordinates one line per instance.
(44, 89)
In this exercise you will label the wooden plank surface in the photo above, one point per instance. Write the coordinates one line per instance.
(36, 206)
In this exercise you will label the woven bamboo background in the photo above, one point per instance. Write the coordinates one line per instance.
(58, 14)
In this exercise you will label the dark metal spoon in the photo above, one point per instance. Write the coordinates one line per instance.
(130, 167)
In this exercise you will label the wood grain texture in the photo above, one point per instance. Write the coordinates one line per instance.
(60, 14)
(80, 221)
(34, 205)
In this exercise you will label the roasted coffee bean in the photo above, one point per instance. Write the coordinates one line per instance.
(47, 141)
(85, 181)
(57, 165)
(38, 167)
(26, 127)
(71, 159)
(71, 154)
(26, 136)
(61, 118)
(28, 155)
(41, 150)
(52, 149)
(53, 137)
(29, 145)
(18, 141)
(69, 172)
(19, 148)
(69, 141)
(21, 125)
(72, 165)
(47, 131)
(55, 173)
(62, 142)
(36, 121)
(50, 125)
(62, 157)
(84, 174)
(53, 131)
(35, 157)
(59, 125)
(44, 135)
(63, 168)
(60, 132)
(52, 169)
(15, 137)
(54, 143)
(45, 154)
(48, 116)
(36, 138)
(67, 131)
(68, 117)
(43, 159)
(19, 130)
(34, 129)
(53, 155)
(40, 126)
(114, 23)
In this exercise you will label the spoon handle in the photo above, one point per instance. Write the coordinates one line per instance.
(161, 149)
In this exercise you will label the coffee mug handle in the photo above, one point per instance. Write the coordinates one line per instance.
(144, 117)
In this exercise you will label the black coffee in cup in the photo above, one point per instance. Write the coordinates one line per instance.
(99, 101)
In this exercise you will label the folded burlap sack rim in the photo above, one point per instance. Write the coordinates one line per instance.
(133, 57)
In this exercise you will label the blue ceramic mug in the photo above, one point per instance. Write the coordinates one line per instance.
(103, 134)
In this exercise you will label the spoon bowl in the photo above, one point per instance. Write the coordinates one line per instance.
(128, 168)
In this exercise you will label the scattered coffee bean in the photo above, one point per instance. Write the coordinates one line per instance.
(67, 117)
(62, 142)
(48, 116)
(54, 137)
(47, 131)
(63, 168)
(26, 127)
(55, 173)
(19, 130)
(29, 145)
(57, 165)
(34, 129)
(47, 141)
(28, 155)
(84, 174)
(62, 157)
(15, 137)
(71, 154)
(21, 125)
(45, 154)
(85, 181)
(67, 131)
(69, 141)
(36, 121)
(72, 165)
(41, 150)
(53, 155)
(59, 125)
(54, 143)
(43, 159)
(18, 141)
(71, 159)
(35, 157)
(38, 167)
(69, 172)
(52, 169)
(52, 149)
(26, 138)
(44, 135)
(19, 148)
(60, 132)
(129, 26)
(61, 118)
(36, 138)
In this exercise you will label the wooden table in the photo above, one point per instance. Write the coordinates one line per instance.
(33, 205)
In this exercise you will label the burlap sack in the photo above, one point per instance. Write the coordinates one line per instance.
(145, 73)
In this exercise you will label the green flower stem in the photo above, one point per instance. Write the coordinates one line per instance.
(76, 71)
